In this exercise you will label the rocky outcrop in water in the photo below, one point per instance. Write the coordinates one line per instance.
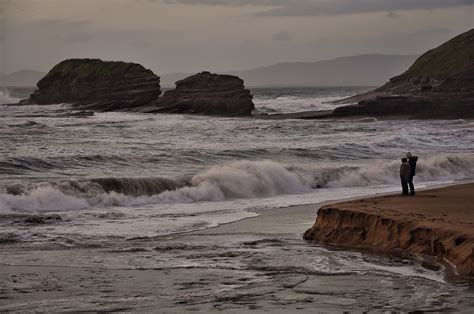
(412, 106)
(97, 85)
(208, 94)
(440, 84)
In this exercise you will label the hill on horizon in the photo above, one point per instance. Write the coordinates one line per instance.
(22, 78)
(359, 70)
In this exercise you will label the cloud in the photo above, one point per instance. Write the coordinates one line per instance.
(392, 15)
(304, 8)
(338, 7)
(69, 32)
(56, 24)
(4, 4)
(232, 3)
(77, 37)
(282, 36)
(410, 42)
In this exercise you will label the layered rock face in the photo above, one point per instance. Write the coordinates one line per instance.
(374, 224)
(98, 85)
(208, 94)
(363, 230)
(440, 84)
(437, 107)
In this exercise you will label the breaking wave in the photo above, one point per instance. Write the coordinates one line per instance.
(5, 97)
(235, 180)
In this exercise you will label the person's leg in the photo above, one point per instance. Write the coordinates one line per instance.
(404, 186)
(412, 187)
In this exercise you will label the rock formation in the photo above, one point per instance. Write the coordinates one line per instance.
(437, 224)
(208, 94)
(440, 84)
(97, 85)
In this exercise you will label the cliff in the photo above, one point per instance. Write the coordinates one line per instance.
(97, 85)
(440, 84)
(437, 65)
(206, 93)
(437, 223)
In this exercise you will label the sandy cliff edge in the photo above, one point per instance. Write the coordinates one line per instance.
(438, 222)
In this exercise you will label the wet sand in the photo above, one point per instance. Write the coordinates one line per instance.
(257, 264)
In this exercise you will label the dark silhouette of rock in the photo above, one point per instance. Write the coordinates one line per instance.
(208, 94)
(97, 85)
(9, 238)
(42, 219)
(34, 220)
(81, 114)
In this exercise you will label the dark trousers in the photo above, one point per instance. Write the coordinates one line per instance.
(404, 186)
(410, 184)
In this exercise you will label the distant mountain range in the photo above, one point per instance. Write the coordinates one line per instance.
(21, 78)
(360, 70)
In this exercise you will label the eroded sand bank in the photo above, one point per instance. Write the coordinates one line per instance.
(437, 222)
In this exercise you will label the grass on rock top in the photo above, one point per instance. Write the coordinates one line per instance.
(81, 68)
(450, 58)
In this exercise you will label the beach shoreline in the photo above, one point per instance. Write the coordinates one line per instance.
(308, 211)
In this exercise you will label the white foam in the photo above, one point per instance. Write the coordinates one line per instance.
(441, 167)
(5, 97)
(248, 180)
(242, 179)
(41, 199)
(288, 104)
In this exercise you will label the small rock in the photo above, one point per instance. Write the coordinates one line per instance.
(54, 217)
(36, 220)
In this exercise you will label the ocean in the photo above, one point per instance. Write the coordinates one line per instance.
(127, 176)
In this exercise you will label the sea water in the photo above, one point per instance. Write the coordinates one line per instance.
(146, 165)
(129, 175)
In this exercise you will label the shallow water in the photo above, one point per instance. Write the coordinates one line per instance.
(218, 270)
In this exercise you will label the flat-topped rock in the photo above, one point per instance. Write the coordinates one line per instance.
(208, 94)
(97, 85)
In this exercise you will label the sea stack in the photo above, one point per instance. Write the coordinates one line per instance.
(207, 94)
(440, 84)
(97, 85)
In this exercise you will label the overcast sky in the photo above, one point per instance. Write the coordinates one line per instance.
(192, 35)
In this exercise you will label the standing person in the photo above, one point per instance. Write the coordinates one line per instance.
(404, 175)
(412, 161)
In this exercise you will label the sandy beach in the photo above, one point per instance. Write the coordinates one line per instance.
(259, 264)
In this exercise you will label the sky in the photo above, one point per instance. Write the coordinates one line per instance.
(218, 35)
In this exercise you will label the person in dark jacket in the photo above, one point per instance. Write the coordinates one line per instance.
(404, 175)
(412, 161)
